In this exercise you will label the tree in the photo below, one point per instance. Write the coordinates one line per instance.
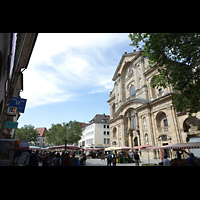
(27, 132)
(57, 133)
(179, 53)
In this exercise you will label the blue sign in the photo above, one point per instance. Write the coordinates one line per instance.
(19, 103)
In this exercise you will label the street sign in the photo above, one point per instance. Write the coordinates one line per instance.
(19, 103)
(12, 110)
(12, 125)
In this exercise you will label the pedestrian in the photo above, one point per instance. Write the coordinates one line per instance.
(84, 159)
(109, 159)
(67, 161)
(36, 158)
(102, 156)
(137, 159)
(166, 161)
(191, 160)
(56, 160)
(62, 158)
(114, 160)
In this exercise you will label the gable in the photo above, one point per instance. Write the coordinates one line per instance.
(125, 59)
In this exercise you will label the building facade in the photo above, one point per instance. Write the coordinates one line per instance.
(140, 114)
(15, 53)
(97, 133)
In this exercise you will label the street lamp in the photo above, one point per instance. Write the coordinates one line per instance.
(66, 138)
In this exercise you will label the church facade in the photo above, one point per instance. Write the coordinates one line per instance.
(140, 114)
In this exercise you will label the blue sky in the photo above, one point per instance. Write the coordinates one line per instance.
(69, 76)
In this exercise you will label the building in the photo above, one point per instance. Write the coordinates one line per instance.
(15, 53)
(97, 133)
(140, 114)
(41, 137)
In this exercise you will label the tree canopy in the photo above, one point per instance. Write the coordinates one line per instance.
(57, 133)
(179, 53)
(27, 132)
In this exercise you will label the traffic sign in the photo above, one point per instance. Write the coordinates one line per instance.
(12, 125)
(19, 103)
(12, 110)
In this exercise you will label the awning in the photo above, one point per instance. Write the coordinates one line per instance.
(94, 149)
(192, 145)
(71, 147)
(117, 148)
(142, 146)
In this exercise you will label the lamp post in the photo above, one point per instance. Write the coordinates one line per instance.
(66, 138)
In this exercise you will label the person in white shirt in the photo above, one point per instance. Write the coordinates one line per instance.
(166, 161)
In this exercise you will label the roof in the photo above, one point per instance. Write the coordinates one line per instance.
(100, 118)
(132, 56)
(82, 124)
(41, 131)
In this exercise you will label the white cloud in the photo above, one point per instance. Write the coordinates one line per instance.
(63, 64)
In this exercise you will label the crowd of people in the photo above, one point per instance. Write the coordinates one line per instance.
(54, 159)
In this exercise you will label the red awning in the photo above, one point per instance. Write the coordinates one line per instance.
(94, 149)
(71, 147)
(189, 145)
(142, 146)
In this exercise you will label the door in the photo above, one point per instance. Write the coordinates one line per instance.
(166, 151)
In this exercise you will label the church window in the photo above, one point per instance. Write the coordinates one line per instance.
(132, 90)
(134, 122)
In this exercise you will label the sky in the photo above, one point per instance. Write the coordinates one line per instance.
(69, 76)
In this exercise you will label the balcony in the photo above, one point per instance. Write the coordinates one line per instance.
(163, 129)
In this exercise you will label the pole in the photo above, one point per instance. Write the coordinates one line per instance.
(66, 138)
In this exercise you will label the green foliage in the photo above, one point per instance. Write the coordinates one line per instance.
(179, 53)
(57, 133)
(27, 132)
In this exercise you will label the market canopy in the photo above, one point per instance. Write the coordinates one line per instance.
(94, 149)
(189, 145)
(117, 148)
(71, 147)
(142, 146)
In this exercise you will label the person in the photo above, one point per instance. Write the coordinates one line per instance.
(109, 159)
(114, 160)
(166, 161)
(191, 160)
(56, 160)
(36, 158)
(137, 159)
(62, 158)
(84, 159)
(102, 156)
(67, 161)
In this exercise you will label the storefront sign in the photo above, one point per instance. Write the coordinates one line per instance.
(19, 103)
(12, 110)
(12, 125)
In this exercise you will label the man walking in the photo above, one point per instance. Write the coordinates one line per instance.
(109, 159)
(137, 159)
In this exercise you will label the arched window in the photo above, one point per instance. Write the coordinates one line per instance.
(132, 90)
(114, 131)
(134, 122)
(153, 90)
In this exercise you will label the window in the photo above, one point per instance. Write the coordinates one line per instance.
(106, 141)
(134, 122)
(107, 126)
(165, 122)
(160, 90)
(104, 126)
(132, 90)
(104, 132)
(108, 133)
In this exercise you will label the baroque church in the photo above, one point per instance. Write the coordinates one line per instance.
(140, 114)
